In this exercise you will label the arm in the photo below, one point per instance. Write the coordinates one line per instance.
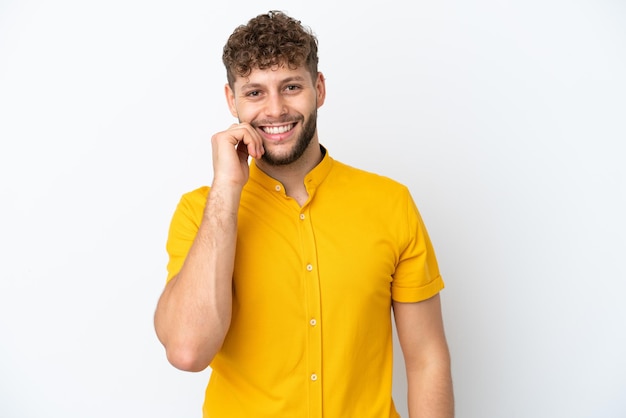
(423, 342)
(194, 311)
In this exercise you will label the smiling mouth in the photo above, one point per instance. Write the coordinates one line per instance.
(275, 130)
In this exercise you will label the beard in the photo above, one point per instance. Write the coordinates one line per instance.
(301, 144)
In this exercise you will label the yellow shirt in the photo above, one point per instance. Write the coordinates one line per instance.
(311, 328)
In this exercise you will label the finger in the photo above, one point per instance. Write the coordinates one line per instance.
(242, 151)
(250, 137)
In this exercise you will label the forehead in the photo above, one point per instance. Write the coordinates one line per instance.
(273, 76)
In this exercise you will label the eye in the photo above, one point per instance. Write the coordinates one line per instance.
(292, 88)
(253, 93)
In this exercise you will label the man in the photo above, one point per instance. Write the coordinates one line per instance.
(283, 274)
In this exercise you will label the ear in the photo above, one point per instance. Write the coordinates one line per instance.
(320, 86)
(230, 99)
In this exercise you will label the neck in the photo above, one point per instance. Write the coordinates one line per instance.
(292, 175)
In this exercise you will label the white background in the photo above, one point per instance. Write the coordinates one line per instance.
(506, 119)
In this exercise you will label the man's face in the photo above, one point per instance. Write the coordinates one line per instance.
(281, 104)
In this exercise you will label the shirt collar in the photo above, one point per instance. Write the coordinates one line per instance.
(313, 179)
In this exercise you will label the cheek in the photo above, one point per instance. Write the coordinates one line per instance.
(245, 112)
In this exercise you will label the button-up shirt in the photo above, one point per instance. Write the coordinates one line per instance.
(311, 332)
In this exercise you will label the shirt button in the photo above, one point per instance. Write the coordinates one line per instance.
(302, 216)
(313, 322)
(314, 377)
(277, 187)
(309, 267)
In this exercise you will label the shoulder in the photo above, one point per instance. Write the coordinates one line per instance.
(191, 205)
(195, 197)
(359, 179)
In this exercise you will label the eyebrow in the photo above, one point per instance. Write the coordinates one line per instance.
(284, 81)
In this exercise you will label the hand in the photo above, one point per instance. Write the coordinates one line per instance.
(231, 149)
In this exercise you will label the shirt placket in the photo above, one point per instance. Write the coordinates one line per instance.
(313, 311)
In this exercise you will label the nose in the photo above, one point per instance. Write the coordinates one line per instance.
(276, 105)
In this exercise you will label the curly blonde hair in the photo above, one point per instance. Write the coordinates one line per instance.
(269, 41)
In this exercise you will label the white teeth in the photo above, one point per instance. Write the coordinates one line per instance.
(273, 130)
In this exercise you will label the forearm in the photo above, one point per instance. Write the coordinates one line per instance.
(426, 357)
(194, 312)
(430, 392)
